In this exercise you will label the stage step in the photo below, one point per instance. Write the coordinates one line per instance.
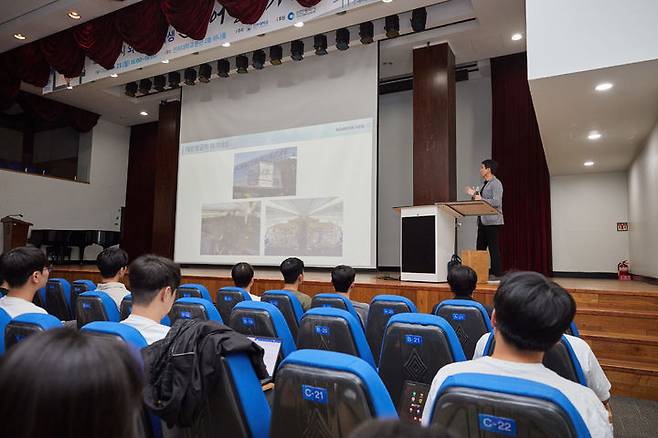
(632, 322)
(616, 300)
(622, 346)
(632, 379)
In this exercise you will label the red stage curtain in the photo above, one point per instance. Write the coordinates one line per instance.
(52, 111)
(518, 149)
(247, 11)
(63, 53)
(100, 40)
(189, 17)
(143, 26)
(308, 3)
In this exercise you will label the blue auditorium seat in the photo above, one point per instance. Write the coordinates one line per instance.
(326, 328)
(415, 347)
(382, 307)
(116, 330)
(194, 308)
(288, 304)
(476, 405)
(58, 299)
(126, 306)
(338, 302)
(28, 324)
(40, 298)
(560, 358)
(469, 319)
(96, 306)
(193, 290)
(254, 318)
(227, 297)
(79, 287)
(4, 320)
(326, 394)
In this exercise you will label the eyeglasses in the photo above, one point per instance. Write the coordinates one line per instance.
(48, 268)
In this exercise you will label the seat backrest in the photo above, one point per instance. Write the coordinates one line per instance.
(476, 405)
(469, 319)
(288, 304)
(194, 308)
(118, 331)
(326, 394)
(254, 318)
(382, 307)
(28, 324)
(326, 328)
(415, 347)
(336, 301)
(560, 358)
(573, 330)
(79, 287)
(40, 298)
(4, 320)
(95, 306)
(58, 299)
(227, 297)
(126, 307)
(193, 290)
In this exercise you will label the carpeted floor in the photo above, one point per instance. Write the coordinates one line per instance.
(634, 418)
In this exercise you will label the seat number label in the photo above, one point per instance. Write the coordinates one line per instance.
(314, 394)
(413, 339)
(459, 316)
(321, 329)
(499, 425)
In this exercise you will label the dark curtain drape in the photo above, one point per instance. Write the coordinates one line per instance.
(61, 114)
(517, 147)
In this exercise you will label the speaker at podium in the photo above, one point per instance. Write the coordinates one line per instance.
(428, 237)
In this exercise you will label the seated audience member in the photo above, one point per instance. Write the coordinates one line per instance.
(293, 275)
(49, 382)
(4, 287)
(243, 277)
(530, 315)
(397, 429)
(153, 280)
(463, 280)
(113, 265)
(342, 278)
(26, 271)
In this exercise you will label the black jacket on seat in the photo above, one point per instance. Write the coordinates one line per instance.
(182, 368)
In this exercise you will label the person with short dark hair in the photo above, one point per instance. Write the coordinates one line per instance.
(113, 265)
(153, 281)
(342, 278)
(65, 383)
(292, 270)
(489, 226)
(4, 287)
(530, 315)
(463, 280)
(25, 270)
(243, 277)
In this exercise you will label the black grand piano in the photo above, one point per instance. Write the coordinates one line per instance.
(59, 242)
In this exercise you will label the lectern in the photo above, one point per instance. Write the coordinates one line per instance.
(14, 232)
(428, 237)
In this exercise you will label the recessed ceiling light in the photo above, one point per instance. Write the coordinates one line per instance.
(165, 61)
(517, 36)
(19, 36)
(299, 24)
(74, 15)
(588, 163)
(114, 75)
(594, 135)
(69, 87)
(387, 1)
(603, 86)
(143, 113)
(226, 44)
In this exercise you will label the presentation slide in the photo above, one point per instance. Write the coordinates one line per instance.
(306, 190)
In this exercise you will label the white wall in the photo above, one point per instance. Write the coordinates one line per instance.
(55, 203)
(567, 36)
(585, 210)
(643, 209)
(396, 159)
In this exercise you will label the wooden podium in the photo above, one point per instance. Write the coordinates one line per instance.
(14, 233)
(428, 237)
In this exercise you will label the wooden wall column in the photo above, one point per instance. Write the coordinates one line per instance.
(435, 142)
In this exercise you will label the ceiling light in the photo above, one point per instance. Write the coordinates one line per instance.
(131, 89)
(159, 83)
(242, 64)
(190, 76)
(19, 36)
(419, 19)
(367, 32)
(588, 163)
(114, 75)
(69, 87)
(299, 24)
(343, 39)
(145, 86)
(603, 86)
(392, 26)
(74, 15)
(297, 50)
(174, 79)
(165, 61)
(205, 72)
(258, 59)
(276, 53)
(226, 44)
(387, 1)
(517, 36)
(223, 68)
(143, 113)
(320, 44)
(594, 135)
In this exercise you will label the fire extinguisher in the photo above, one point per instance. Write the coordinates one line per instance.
(623, 271)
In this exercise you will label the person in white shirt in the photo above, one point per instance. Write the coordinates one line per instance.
(530, 315)
(113, 265)
(153, 280)
(25, 270)
(597, 381)
(342, 279)
(243, 277)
